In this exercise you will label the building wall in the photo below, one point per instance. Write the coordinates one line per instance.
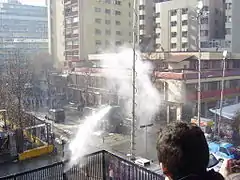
(166, 29)
(235, 26)
(146, 22)
(56, 29)
(23, 27)
(101, 25)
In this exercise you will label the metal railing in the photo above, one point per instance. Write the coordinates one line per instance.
(101, 165)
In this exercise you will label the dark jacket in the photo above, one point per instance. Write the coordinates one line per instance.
(210, 175)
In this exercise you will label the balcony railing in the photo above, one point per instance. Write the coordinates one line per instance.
(97, 165)
(188, 75)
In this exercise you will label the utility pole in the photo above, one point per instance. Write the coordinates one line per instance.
(222, 90)
(199, 15)
(133, 133)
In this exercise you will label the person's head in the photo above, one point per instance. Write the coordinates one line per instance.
(182, 150)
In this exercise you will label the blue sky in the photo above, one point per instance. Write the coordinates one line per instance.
(34, 2)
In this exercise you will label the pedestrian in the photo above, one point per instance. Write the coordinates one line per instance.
(183, 153)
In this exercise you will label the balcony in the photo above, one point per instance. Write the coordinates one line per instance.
(96, 166)
(214, 93)
(189, 75)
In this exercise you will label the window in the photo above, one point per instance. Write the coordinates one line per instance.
(68, 21)
(74, 8)
(98, 43)
(141, 7)
(205, 8)
(184, 10)
(173, 45)
(107, 22)
(108, 32)
(118, 2)
(118, 33)
(97, 9)
(173, 34)
(142, 27)
(158, 15)
(118, 23)
(75, 19)
(158, 25)
(107, 11)
(184, 22)
(204, 20)
(184, 34)
(173, 12)
(141, 17)
(117, 13)
(228, 31)
(173, 23)
(118, 43)
(228, 5)
(98, 31)
(184, 45)
(75, 31)
(75, 42)
(108, 1)
(229, 18)
(204, 32)
(98, 20)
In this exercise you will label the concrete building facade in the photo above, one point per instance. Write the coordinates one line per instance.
(146, 22)
(177, 25)
(56, 29)
(93, 26)
(232, 27)
(22, 27)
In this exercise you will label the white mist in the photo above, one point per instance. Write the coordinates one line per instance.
(119, 74)
(78, 146)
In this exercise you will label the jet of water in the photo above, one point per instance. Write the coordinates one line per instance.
(78, 146)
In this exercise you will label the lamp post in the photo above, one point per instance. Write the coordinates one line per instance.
(199, 15)
(222, 89)
(146, 127)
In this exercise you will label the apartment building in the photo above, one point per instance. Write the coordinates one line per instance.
(232, 24)
(22, 27)
(146, 22)
(177, 25)
(56, 33)
(93, 26)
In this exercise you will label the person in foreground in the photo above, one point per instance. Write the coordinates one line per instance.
(183, 153)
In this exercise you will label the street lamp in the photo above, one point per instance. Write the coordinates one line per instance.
(146, 126)
(225, 53)
(199, 15)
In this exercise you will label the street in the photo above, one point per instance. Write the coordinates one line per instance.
(117, 143)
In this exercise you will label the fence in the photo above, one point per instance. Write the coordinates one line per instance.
(101, 165)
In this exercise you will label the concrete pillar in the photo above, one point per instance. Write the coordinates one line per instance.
(179, 112)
